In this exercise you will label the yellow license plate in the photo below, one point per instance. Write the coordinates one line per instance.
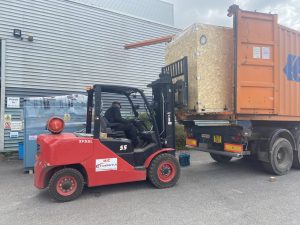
(217, 139)
(233, 147)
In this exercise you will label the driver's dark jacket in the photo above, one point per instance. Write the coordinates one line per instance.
(113, 115)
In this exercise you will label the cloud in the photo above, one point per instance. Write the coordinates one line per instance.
(214, 12)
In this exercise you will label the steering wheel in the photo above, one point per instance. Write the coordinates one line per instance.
(140, 124)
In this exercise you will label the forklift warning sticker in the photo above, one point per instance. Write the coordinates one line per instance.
(106, 164)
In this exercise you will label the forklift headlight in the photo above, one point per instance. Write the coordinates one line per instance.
(55, 125)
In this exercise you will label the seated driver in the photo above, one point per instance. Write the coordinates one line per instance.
(113, 115)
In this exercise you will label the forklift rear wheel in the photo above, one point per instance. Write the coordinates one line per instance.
(66, 184)
(164, 171)
(280, 156)
(220, 158)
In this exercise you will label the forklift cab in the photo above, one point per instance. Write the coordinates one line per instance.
(168, 91)
(99, 99)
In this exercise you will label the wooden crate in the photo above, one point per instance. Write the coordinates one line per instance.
(210, 63)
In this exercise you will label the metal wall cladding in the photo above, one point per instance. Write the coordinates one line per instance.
(76, 45)
(154, 10)
(268, 68)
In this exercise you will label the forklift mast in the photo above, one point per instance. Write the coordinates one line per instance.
(170, 91)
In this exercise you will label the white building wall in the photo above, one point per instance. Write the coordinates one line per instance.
(78, 44)
(154, 10)
(75, 45)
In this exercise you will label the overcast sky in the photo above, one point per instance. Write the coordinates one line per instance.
(214, 11)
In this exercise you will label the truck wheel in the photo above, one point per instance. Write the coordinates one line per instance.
(280, 156)
(66, 184)
(164, 171)
(220, 158)
(296, 157)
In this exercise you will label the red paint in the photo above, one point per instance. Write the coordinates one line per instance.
(166, 171)
(148, 161)
(66, 149)
(66, 185)
(40, 171)
(124, 173)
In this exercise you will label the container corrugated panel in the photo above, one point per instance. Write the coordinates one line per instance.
(268, 68)
(257, 66)
(289, 71)
(77, 44)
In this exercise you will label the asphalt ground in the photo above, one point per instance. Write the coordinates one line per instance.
(207, 193)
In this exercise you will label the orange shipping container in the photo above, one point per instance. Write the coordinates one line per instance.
(267, 74)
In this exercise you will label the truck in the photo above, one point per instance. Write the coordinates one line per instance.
(263, 122)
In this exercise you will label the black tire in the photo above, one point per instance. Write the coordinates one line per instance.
(280, 157)
(164, 177)
(68, 176)
(220, 158)
(296, 156)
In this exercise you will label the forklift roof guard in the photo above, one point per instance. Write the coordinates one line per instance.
(116, 89)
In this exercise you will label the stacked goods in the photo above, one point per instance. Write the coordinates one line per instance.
(210, 66)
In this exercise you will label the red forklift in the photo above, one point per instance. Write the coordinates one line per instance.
(102, 155)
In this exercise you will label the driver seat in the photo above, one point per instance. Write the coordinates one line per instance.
(107, 127)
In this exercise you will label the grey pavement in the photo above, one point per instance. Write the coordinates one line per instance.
(207, 193)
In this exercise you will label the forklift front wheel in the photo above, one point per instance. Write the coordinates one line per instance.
(66, 184)
(164, 171)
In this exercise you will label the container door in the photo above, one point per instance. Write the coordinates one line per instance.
(257, 62)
